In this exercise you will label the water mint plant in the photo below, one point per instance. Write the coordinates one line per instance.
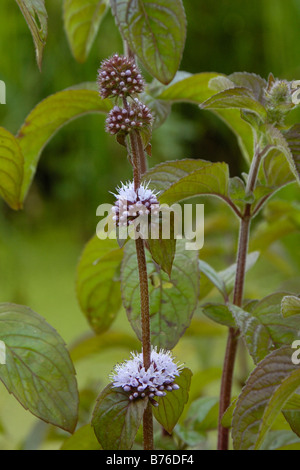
(170, 295)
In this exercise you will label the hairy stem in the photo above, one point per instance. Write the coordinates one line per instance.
(137, 153)
(233, 335)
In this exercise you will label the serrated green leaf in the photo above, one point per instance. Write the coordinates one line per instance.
(264, 328)
(195, 89)
(292, 137)
(83, 439)
(228, 275)
(269, 387)
(290, 305)
(252, 81)
(186, 87)
(173, 300)
(238, 97)
(219, 313)
(277, 440)
(228, 415)
(163, 252)
(38, 129)
(116, 419)
(279, 141)
(213, 276)
(11, 169)
(171, 406)
(38, 369)
(98, 282)
(203, 414)
(155, 31)
(82, 19)
(35, 14)
(185, 179)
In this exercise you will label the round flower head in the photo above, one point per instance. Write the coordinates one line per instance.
(119, 77)
(124, 120)
(131, 204)
(155, 381)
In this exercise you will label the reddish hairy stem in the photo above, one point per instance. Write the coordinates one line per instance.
(232, 341)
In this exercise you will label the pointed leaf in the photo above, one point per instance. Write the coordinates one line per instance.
(83, 439)
(269, 387)
(290, 305)
(98, 282)
(185, 179)
(155, 31)
(172, 300)
(38, 129)
(264, 327)
(171, 406)
(11, 169)
(239, 97)
(82, 19)
(35, 14)
(219, 313)
(116, 419)
(38, 369)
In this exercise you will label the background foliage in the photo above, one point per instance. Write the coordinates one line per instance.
(74, 177)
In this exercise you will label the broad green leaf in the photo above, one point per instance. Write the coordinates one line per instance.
(163, 252)
(116, 419)
(155, 31)
(35, 14)
(195, 89)
(160, 109)
(38, 128)
(171, 406)
(98, 282)
(290, 305)
(82, 19)
(213, 276)
(83, 439)
(219, 313)
(293, 418)
(188, 436)
(188, 88)
(228, 275)
(96, 344)
(253, 82)
(292, 137)
(11, 169)
(264, 328)
(269, 387)
(281, 219)
(277, 171)
(278, 140)
(173, 300)
(185, 179)
(277, 440)
(228, 415)
(238, 97)
(203, 414)
(38, 369)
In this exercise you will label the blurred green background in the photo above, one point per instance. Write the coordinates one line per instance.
(40, 246)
